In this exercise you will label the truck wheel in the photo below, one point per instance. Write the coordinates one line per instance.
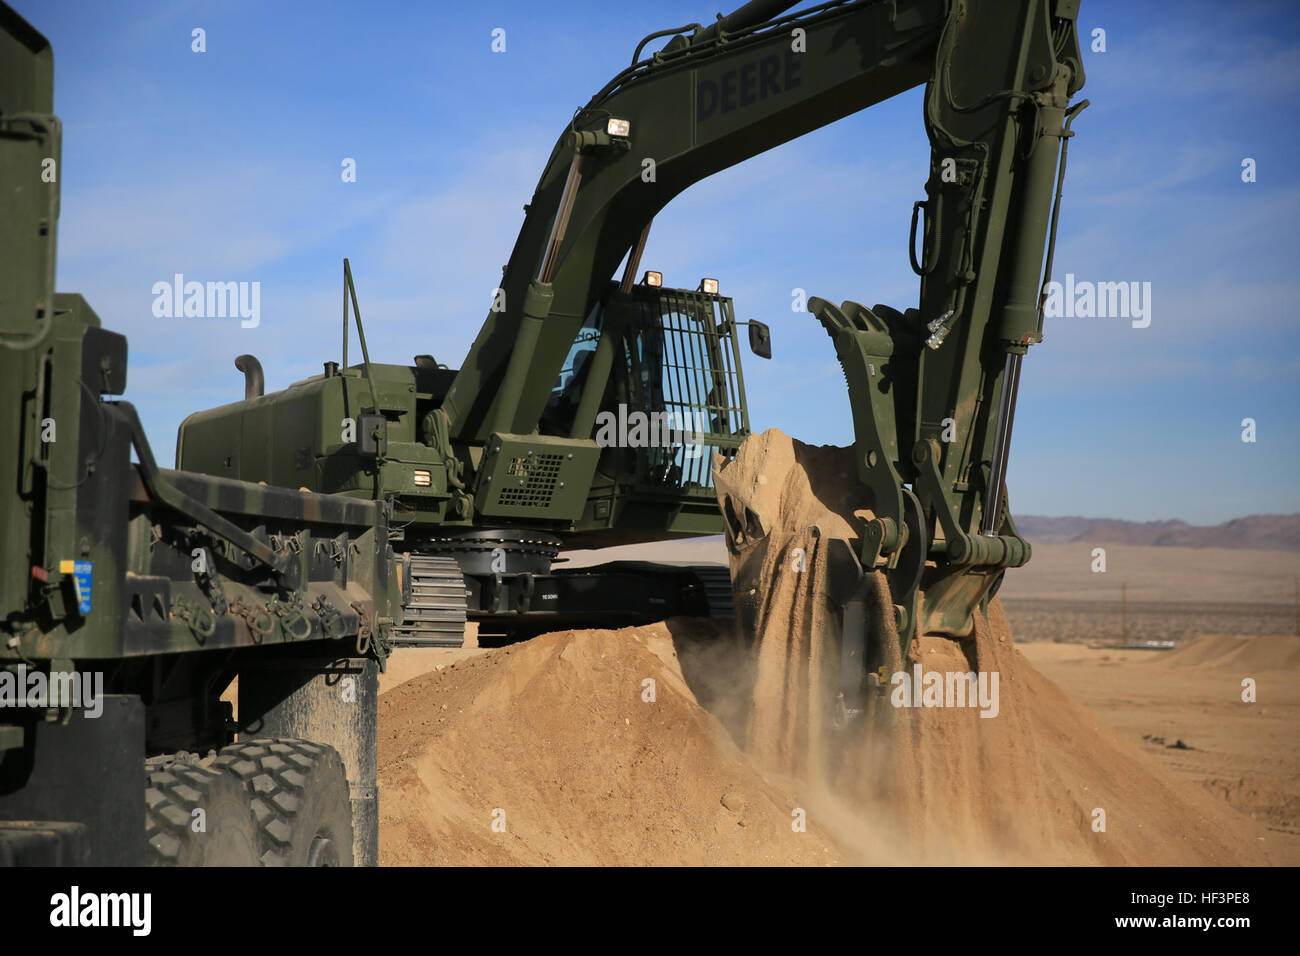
(222, 834)
(300, 797)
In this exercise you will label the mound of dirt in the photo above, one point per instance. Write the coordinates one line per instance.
(1028, 784)
(1236, 652)
(553, 742)
(581, 747)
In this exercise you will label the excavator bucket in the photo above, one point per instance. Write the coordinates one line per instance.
(878, 350)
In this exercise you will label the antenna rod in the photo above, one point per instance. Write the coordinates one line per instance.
(350, 287)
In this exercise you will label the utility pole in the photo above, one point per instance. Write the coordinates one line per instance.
(1123, 611)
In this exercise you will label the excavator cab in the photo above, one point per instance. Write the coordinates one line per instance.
(675, 392)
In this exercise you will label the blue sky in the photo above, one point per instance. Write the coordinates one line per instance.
(225, 165)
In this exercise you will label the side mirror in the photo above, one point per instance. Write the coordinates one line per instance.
(372, 435)
(760, 339)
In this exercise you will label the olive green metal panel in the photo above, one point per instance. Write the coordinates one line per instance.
(535, 476)
(26, 67)
(29, 198)
(309, 435)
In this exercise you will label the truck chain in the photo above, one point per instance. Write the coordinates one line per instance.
(253, 616)
(200, 619)
(364, 630)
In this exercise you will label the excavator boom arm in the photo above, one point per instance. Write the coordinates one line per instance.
(693, 110)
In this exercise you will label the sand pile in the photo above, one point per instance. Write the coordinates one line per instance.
(1236, 653)
(1026, 785)
(558, 740)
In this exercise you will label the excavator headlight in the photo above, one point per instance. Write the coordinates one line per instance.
(618, 127)
(709, 286)
(422, 479)
(655, 279)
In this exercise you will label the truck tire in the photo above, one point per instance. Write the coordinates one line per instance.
(177, 787)
(300, 799)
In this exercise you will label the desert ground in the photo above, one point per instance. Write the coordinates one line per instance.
(672, 744)
(1183, 709)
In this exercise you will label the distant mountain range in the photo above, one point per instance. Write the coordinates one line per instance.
(1270, 532)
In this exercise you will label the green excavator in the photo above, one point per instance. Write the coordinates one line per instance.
(503, 460)
(308, 531)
